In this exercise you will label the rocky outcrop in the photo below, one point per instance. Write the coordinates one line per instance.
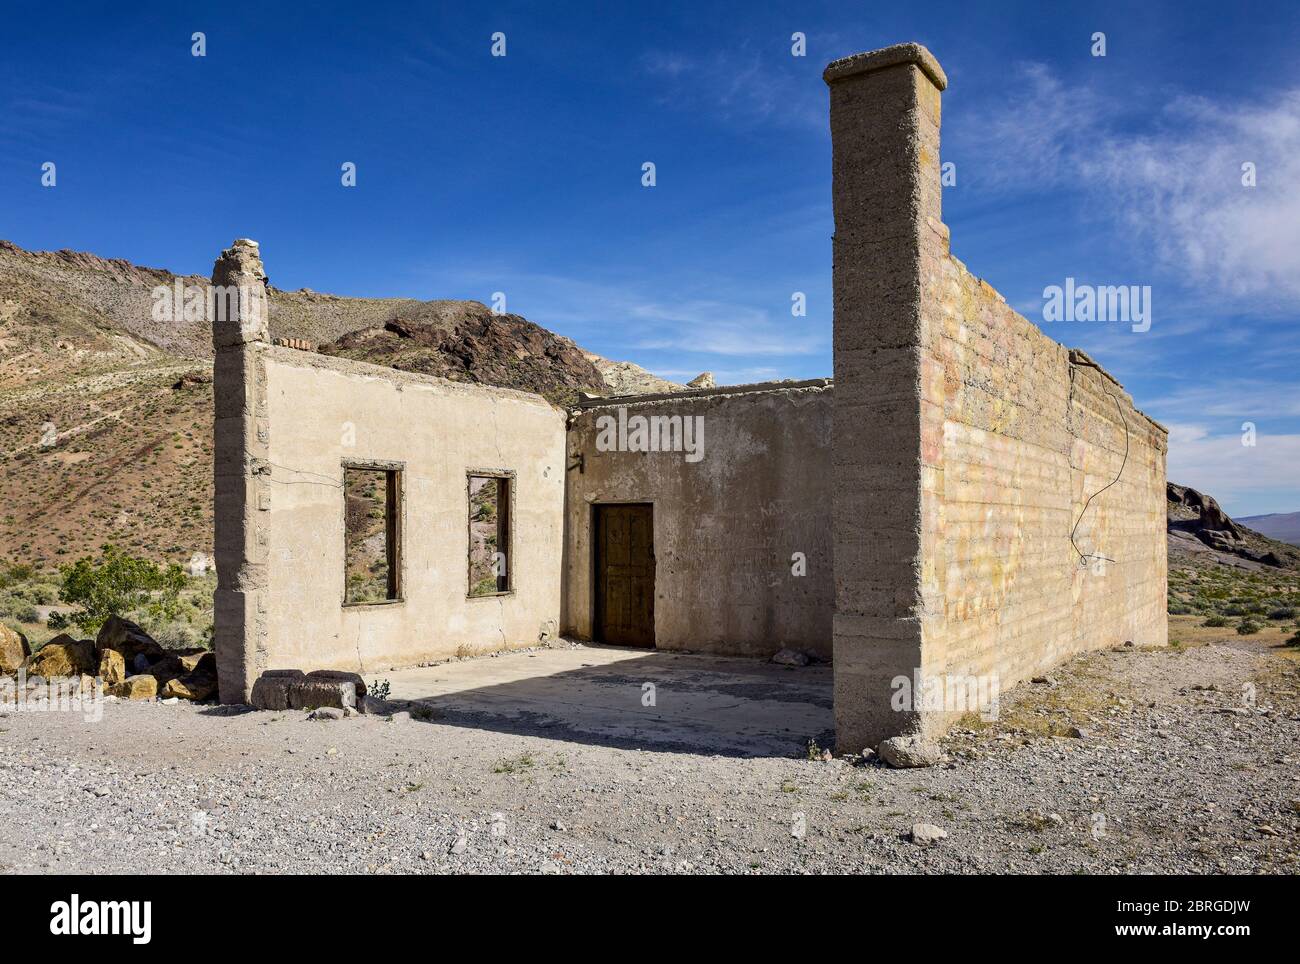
(1210, 518)
(482, 347)
(1198, 525)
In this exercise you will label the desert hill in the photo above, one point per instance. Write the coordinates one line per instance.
(106, 413)
(1283, 526)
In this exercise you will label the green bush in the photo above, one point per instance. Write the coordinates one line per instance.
(1215, 622)
(58, 620)
(118, 584)
(1248, 627)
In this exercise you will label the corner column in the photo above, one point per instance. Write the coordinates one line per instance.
(238, 305)
(884, 112)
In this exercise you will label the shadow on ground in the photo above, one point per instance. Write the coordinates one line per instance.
(631, 698)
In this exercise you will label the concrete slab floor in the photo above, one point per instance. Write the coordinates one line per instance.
(596, 694)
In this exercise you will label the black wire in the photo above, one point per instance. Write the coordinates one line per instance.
(1084, 557)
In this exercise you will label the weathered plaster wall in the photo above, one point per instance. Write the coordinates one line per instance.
(1016, 435)
(725, 527)
(314, 405)
(965, 437)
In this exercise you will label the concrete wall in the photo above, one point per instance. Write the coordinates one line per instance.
(307, 409)
(725, 527)
(967, 438)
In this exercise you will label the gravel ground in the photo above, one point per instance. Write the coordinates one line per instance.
(1178, 770)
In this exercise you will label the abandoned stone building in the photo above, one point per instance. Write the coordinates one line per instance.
(967, 497)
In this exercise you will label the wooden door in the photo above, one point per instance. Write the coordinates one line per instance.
(625, 575)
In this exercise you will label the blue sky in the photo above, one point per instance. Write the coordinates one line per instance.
(522, 174)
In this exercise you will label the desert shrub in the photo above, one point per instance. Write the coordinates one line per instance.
(1215, 621)
(1294, 640)
(58, 620)
(1181, 609)
(43, 593)
(1282, 612)
(178, 635)
(27, 613)
(1233, 610)
(117, 584)
(1248, 627)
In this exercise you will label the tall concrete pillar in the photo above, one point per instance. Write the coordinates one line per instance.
(884, 108)
(238, 306)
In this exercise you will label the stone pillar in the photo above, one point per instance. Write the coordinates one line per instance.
(241, 470)
(884, 108)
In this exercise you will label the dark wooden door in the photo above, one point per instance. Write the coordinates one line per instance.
(625, 575)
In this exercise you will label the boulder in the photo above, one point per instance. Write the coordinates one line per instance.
(112, 667)
(135, 688)
(13, 650)
(168, 668)
(199, 661)
(271, 689)
(64, 656)
(910, 751)
(310, 694)
(128, 639)
(193, 686)
(341, 676)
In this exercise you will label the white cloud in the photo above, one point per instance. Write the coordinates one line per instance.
(1245, 479)
(1173, 186)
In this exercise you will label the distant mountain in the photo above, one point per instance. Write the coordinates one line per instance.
(1283, 526)
(106, 413)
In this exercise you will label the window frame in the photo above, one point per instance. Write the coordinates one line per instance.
(510, 478)
(394, 524)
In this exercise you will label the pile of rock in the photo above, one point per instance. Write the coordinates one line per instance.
(123, 656)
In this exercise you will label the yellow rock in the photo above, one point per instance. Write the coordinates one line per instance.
(64, 656)
(13, 649)
(112, 667)
(193, 687)
(135, 688)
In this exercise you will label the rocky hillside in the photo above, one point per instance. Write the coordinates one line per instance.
(1202, 534)
(106, 414)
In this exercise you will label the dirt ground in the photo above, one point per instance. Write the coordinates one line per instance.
(1183, 760)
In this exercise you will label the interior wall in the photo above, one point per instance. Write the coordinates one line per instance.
(726, 528)
(323, 411)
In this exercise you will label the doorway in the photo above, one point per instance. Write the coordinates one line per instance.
(625, 574)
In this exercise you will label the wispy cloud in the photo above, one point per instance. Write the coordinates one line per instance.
(742, 86)
(1171, 187)
(1259, 478)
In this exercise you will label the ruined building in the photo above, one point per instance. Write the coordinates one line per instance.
(944, 507)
